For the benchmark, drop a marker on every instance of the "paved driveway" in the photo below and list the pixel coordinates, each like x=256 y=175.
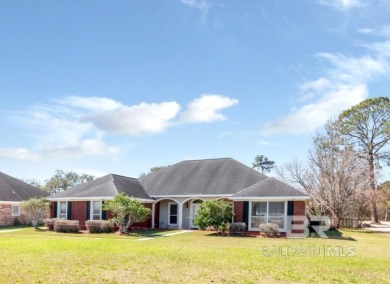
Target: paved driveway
x=384 y=227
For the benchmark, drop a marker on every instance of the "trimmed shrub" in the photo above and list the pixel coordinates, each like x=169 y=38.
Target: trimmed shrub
x=99 y=226
x=66 y=226
x=270 y=230
x=224 y=228
x=49 y=223
x=237 y=227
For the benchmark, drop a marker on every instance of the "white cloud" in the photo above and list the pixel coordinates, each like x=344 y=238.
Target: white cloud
x=206 y=108
x=78 y=126
x=19 y=154
x=343 y=4
x=91 y=103
x=344 y=85
x=201 y=5
x=86 y=147
x=137 y=119
x=381 y=32
x=198 y=4
x=355 y=69
x=311 y=116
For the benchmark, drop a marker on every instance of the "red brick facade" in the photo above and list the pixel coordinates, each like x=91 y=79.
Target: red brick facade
x=238 y=215
x=6 y=218
x=147 y=223
x=299 y=208
x=79 y=212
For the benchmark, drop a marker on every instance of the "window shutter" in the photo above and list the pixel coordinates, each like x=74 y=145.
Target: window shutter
x=104 y=212
x=246 y=212
x=88 y=216
x=69 y=213
x=54 y=204
x=290 y=208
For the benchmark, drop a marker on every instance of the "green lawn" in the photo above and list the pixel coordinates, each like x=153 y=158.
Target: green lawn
x=195 y=257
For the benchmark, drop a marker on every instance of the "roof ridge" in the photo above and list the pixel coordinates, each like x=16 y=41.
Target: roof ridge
x=208 y=159
x=122 y=176
x=253 y=185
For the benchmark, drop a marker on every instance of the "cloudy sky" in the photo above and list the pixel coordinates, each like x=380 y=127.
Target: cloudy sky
x=103 y=87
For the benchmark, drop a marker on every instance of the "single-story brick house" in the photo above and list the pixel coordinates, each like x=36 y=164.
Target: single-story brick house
x=12 y=193
x=175 y=193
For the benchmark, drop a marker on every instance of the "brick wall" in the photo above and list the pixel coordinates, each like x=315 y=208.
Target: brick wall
x=238 y=211
x=79 y=212
x=147 y=223
x=6 y=218
x=299 y=208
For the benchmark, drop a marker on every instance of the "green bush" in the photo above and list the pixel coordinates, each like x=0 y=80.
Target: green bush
x=99 y=226
x=66 y=226
x=238 y=227
x=214 y=213
x=49 y=223
x=270 y=230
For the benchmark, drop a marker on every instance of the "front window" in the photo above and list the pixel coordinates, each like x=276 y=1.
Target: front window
x=268 y=212
x=15 y=210
x=172 y=214
x=63 y=209
x=96 y=210
x=276 y=213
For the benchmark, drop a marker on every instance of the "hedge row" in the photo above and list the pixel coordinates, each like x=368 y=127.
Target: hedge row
x=72 y=226
x=99 y=226
x=62 y=226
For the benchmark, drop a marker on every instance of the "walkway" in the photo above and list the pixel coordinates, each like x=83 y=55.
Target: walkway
x=166 y=235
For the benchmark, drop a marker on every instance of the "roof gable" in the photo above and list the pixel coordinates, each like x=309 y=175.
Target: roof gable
x=106 y=186
x=270 y=187
x=224 y=176
x=12 y=189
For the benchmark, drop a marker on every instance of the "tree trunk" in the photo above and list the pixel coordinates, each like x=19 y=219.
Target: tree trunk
x=374 y=213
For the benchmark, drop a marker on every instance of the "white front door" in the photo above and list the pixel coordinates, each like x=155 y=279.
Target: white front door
x=194 y=209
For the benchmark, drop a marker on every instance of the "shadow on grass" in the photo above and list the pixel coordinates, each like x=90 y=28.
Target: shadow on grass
x=214 y=234
x=148 y=233
x=333 y=234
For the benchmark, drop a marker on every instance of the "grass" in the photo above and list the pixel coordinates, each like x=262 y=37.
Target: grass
x=30 y=256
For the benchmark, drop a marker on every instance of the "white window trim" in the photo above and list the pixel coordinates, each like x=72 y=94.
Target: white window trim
x=169 y=214
x=59 y=210
x=250 y=214
x=91 y=209
x=12 y=210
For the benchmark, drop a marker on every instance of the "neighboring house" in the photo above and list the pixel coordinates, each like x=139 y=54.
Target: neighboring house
x=175 y=193
x=12 y=193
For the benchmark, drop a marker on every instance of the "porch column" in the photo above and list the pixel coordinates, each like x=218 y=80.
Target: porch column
x=180 y=216
x=153 y=211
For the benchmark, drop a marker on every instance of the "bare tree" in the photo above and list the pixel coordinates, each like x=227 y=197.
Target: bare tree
x=334 y=176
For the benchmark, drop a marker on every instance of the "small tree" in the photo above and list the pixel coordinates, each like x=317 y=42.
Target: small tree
x=263 y=164
x=127 y=211
x=35 y=208
x=214 y=213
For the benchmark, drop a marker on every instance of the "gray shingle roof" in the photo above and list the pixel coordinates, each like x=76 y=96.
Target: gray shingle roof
x=12 y=189
x=270 y=187
x=107 y=186
x=213 y=176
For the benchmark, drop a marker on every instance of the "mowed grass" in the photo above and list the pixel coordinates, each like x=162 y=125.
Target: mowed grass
x=28 y=256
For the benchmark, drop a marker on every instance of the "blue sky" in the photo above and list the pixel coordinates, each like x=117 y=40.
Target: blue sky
x=119 y=87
